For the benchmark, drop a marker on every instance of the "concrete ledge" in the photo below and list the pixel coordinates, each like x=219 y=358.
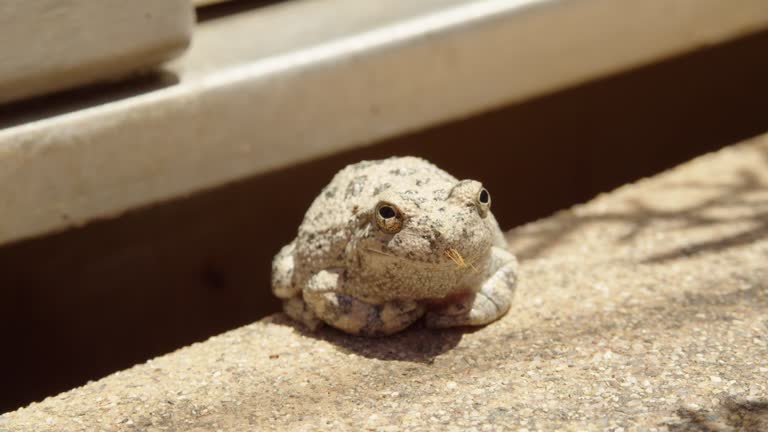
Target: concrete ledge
x=642 y=310
x=269 y=87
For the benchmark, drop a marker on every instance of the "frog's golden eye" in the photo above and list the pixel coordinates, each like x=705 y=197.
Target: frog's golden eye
x=388 y=218
x=483 y=201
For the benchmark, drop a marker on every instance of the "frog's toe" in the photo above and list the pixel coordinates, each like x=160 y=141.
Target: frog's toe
x=297 y=309
x=325 y=297
x=489 y=304
x=484 y=310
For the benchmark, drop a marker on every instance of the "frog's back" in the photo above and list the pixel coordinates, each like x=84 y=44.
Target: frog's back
x=333 y=218
x=356 y=188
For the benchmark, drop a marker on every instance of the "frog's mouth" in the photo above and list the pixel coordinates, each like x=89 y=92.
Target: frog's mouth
x=449 y=257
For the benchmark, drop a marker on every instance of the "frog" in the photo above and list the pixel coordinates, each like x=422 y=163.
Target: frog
x=391 y=241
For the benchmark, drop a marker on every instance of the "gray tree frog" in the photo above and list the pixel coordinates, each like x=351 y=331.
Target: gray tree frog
x=390 y=241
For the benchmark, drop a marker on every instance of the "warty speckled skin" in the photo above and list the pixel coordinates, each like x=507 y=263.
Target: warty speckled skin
x=390 y=241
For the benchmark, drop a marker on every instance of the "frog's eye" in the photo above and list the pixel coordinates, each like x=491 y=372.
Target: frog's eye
x=483 y=201
x=388 y=218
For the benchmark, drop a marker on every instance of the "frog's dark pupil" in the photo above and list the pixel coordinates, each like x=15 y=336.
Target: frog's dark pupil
x=386 y=212
x=484 y=196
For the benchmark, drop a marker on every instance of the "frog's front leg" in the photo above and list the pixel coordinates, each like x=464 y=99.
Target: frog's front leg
x=489 y=303
x=284 y=288
x=325 y=297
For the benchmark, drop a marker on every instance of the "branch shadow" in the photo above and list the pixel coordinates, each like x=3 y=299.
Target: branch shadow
x=731 y=415
x=643 y=216
x=416 y=344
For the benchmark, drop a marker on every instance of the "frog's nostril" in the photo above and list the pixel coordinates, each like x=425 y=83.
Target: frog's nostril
x=436 y=234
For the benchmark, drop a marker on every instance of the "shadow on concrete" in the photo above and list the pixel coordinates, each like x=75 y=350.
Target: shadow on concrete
x=670 y=314
x=642 y=215
x=731 y=416
x=415 y=344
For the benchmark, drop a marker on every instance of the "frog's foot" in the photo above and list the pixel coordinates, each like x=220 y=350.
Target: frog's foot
x=487 y=305
x=352 y=315
x=284 y=288
x=282 y=274
x=297 y=309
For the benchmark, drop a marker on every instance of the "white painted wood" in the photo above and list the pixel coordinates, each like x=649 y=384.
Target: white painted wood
x=273 y=86
x=49 y=45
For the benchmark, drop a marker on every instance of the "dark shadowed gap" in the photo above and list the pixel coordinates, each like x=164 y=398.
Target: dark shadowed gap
x=231 y=7
x=78 y=305
x=88 y=96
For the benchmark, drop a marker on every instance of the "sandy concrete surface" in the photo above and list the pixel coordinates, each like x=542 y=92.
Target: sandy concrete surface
x=645 y=309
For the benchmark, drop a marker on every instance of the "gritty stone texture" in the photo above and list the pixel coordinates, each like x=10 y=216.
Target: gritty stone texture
x=645 y=309
x=391 y=240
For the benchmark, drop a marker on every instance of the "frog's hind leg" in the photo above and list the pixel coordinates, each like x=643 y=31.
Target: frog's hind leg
x=487 y=305
x=325 y=298
x=284 y=288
